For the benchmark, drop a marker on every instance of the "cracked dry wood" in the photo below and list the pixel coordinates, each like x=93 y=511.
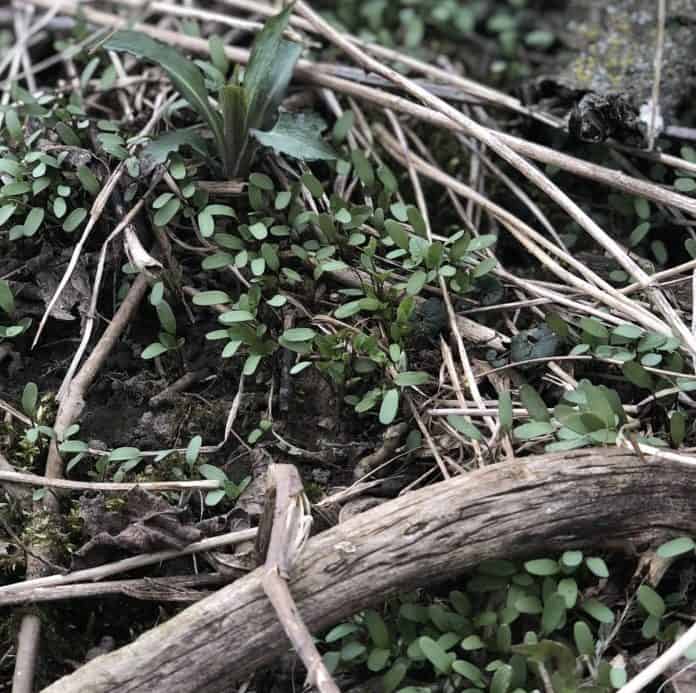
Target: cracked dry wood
x=525 y=507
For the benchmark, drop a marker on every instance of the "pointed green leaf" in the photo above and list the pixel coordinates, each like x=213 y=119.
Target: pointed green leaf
x=7 y=303
x=159 y=149
x=185 y=75
x=234 y=106
x=534 y=404
x=297 y=135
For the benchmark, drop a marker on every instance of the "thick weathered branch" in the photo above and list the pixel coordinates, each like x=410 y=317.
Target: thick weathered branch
x=521 y=508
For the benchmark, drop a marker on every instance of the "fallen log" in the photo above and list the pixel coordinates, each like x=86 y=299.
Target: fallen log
x=535 y=505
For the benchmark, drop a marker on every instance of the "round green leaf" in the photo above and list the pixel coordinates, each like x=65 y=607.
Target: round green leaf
x=282 y=199
x=469 y=671
x=464 y=426
x=153 y=350
x=636 y=374
x=261 y=180
x=351 y=650
x=30 y=397
x=394 y=676
x=568 y=589
x=435 y=654
x=378 y=659
x=214 y=497
x=7 y=303
x=501 y=679
x=397 y=233
x=617 y=677
x=598 y=611
x=411 y=378
x=233 y=316
x=542 y=566
x=528 y=604
x=390 y=407
x=651 y=601
x=554 y=611
x=571 y=559
x=676 y=547
x=583 y=638
x=193 y=449
x=533 y=430
x=123 y=454
x=505 y=410
x=206 y=223
x=473 y=642
x=299 y=334
x=594 y=328
x=628 y=331
x=598 y=567
x=534 y=404
x=210 y=298
x=209 y=471
x=415 y=283
x=377 y=629
x=166 y=213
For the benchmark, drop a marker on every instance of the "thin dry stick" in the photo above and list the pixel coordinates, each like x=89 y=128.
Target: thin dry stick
x=74 y=401
x=426 y=434
x=27 y=654
x=539 y=289
x=94 y=215
x=456 y=384
x=172 y=589
x=126 y=564
x=92 y=313
x=662 y=663
x=657 y=77
x=661 y=276
x=290 y=530
x=21 y=21
x=112 y=487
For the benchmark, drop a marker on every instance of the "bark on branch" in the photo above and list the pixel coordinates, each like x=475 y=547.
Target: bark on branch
x=522 y=508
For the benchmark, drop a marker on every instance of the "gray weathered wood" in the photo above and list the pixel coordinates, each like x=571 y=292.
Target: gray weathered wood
x=521 y=508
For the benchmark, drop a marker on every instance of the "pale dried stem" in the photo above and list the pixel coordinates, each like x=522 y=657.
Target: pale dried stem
x=127 y=564
x=168 y=589
x=92 y=313
x=657 y=76
x=289 y=532
x=74 y=400
x=11 y=477
x=27 y=654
